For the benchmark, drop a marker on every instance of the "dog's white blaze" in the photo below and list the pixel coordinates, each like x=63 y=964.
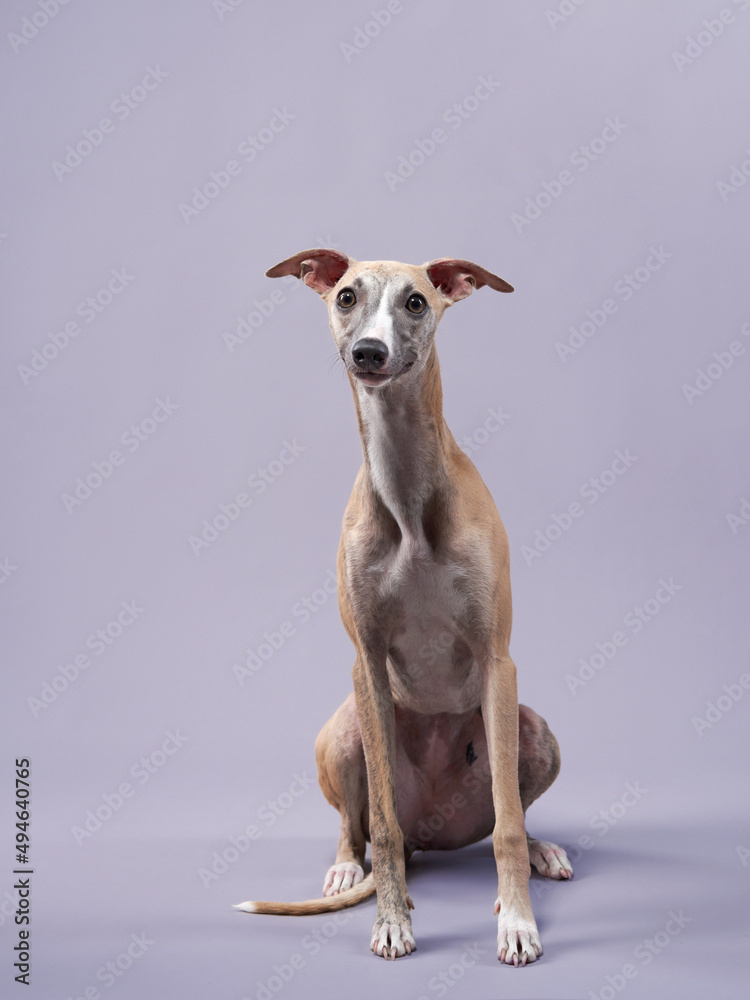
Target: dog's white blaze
x=382 y=325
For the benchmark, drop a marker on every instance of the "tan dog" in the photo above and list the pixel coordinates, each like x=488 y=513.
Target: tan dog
x=433 y=750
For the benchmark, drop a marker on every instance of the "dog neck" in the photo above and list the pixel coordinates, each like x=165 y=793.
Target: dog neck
x=405 y=441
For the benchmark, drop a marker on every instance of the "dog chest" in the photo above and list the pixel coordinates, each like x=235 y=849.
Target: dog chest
x=430 y=666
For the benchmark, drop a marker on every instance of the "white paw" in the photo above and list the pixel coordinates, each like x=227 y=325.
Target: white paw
x=341 y=877
x=517 y=938
x=549 y=859
x=392 y=939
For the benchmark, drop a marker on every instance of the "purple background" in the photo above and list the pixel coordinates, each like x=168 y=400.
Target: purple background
x=349 y=117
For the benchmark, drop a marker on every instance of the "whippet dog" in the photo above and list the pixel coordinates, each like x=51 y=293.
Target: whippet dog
x=432 y=749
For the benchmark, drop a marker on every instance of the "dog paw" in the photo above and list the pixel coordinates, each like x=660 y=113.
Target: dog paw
x=341 y=877
x=549 y=859
x=517 y=938
x=392 y=938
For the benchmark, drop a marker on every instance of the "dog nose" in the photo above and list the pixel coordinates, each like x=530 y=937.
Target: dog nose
x=370 y=354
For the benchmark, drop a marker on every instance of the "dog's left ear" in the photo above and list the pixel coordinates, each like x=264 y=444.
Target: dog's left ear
x=319 y=269
x=458 y=278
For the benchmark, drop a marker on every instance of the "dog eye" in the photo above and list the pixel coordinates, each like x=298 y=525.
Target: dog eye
x=346 y=298
x=415 y=304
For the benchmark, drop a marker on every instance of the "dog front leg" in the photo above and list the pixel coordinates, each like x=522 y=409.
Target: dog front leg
x=392 y=934
x=517 y=935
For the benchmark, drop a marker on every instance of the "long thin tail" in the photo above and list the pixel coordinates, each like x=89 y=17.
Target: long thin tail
x=350 y=897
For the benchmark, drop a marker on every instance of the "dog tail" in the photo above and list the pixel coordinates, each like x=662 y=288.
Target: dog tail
x=350 y=897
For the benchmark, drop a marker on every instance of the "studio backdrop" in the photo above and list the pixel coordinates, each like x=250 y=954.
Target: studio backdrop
x=179 y=443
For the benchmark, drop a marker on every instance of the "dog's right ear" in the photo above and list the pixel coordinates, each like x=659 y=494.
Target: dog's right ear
x=320 y=269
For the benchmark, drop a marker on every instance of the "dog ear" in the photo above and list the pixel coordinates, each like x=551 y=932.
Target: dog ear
x=320 y=269
x=458 y=278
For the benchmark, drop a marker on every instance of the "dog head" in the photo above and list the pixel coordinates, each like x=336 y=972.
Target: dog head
x=384 y=314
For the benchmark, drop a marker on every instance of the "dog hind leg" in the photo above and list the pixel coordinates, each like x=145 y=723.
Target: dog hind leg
x=343 y=778
x=538 y=766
